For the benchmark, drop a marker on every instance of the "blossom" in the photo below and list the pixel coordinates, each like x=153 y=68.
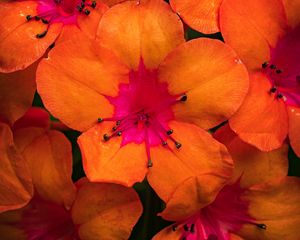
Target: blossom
x=60 y=209
x=202 y=16
x=29 y=28
x=16 y=184
x=254 y=204
x=270 y=49
x=140 y=95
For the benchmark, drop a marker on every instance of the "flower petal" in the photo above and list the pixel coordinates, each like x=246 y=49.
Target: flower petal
x=167 y=234
x=292 y=9
x=215 y=91
x=16 y=185
x=262 y=120
x=112 y=2
x=294 y=128
x=16 y=93
x=175 y=170
x=146 y=29
x=108 y=161
x=19 y=46
x=49 y=156
x=203 y=15
x=106 y=211
x=275 y=206
x=75 y=94
x=252 y=166
x=252 y=35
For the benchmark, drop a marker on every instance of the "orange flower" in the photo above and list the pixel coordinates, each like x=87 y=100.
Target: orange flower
x=59 y=209
x=202 y=16
x=29 y=28
x=255 y=204
x=269 y=46
x=152 y=94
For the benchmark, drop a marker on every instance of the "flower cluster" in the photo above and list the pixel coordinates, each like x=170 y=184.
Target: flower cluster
x=149 y=119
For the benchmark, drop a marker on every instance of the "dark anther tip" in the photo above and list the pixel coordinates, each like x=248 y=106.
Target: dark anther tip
x=278 y=71
x=178 y=145
x=28 y=17
x=169 y=132
x=82 y=5
x=174 y=228
x=94 y=4
x=264 y=65
x=150 y=163
x=52 y=45
x=280 y=95
x=183 y=98
x=262 y=226
x=164 y=143
x=114 y=128
x=118 y=123
x=119 y=133
x=105 y=137
x=100 y=120
x=272 y=66
x=41 y=35
x=273 y=89
x=79 y=8
x=45 y=21
x=192 y=229
x=87 y=12
x=37 y=18
x=185 y=227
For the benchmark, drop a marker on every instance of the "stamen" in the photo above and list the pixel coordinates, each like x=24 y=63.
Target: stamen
x=164 y=143
x=37 y=18
x=174 y=227
x=183 y=98
x=265 y=65
x=45 y=21
x=119 y=133
x=185 y=227
x=147 y=145
x=272 y=66
x=100 y=120
x=41 y=35
x=261 y=226
x=28 y=17
x=169 y=132
x=273 y=89
x=52 y=45
x=106 y=137
x=278 y=71
x=94 y=4
x=87 y=12
x=192 y=229
x=178 y=145
x=279 y=95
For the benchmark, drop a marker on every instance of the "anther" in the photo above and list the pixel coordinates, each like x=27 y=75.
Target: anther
x=169 y=132
x=118 y=123
x=87 y=12
x=192 y=229
x=185 y=227
x=272 y=66
x=279 y=95
x=114 y=128
x=28 y=17
x=164 y=143
x=105 y=137
x=100 y=120
x=79 y=8
x=178 y=145
x=265 y=64
x=45 y=21
x=150 y=164
x=41 y=35
x=119 y=133
x=278 y=71
x=183 y=98
x=273 y=89
x=174 y=228
x=37 y=18
x=94 y=4
x=52 y=45
x=262 y=226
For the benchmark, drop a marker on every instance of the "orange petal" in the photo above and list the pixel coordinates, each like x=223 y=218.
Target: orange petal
x=277 y=206
x=146 y=29
x=16 y=185
x=294 y=128
x=167 y=234
x=34 y=117
x=106 y=211
x=215 y=91
x=75 y=94
x=292 y=9
x=16 y=93
x=49 y=156
x=250 y=164
x=262 y=120
x=176 y=171
x=252 y=35
x=19 y=46
x=108 y=161
x=203 y=15
x=112 y=2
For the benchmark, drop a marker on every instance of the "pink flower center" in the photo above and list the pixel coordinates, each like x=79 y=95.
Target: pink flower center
x=60 y=11
x=226 y=214
x=48 y=221
x=143 y=109
x=283 y=70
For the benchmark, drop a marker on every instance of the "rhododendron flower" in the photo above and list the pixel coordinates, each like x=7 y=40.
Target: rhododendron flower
x=201 y=15
x=255 y=204
x=16 y=186
x=29 y=28
x=60 y=209
x=141 y=100
x=270 y=47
